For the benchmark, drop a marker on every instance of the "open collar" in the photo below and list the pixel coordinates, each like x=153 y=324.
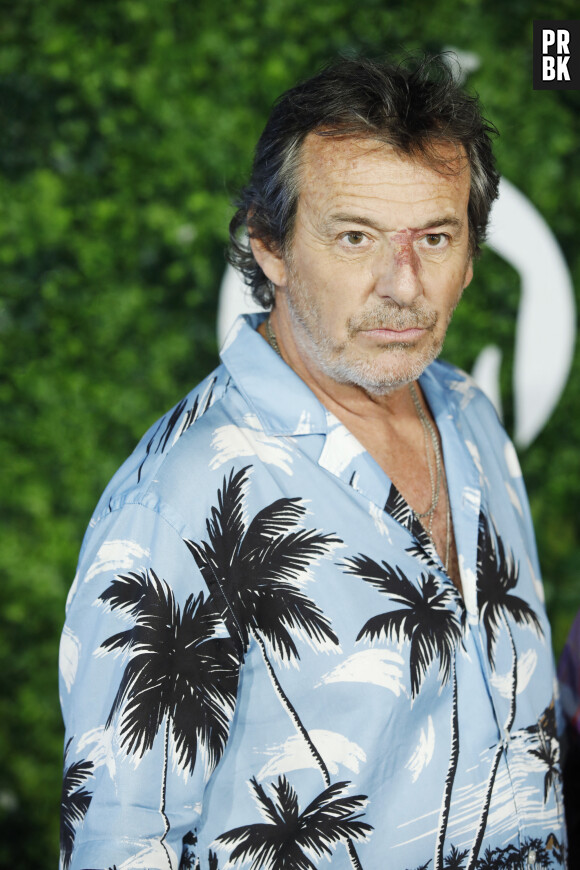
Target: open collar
x=285 y=406
x=280 y=399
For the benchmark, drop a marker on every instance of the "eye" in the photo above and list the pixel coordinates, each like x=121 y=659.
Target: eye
x=354 y=238
x=436 y=240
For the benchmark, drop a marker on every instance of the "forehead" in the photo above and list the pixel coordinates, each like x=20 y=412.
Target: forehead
x=338 y=173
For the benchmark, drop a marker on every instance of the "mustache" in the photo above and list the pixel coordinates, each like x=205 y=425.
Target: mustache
x=393 y=317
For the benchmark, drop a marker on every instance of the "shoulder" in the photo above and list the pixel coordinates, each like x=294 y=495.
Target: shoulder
x=460 y=391
x=455 y=396
x=177 y=444
x=478 y=421
x=161 y=495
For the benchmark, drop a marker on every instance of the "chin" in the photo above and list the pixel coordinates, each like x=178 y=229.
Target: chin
x=380 y=376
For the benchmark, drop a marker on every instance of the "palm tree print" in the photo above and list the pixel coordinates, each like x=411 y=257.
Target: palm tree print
x=537 y=854
x=548 y=752
x=256 y=565
x=75 y=802
x=168 y=423
x=455 y=859
x=188 y=858
x=489 y=861
x=178 y=672
x=544 y=734
x=558 y=849
x=433 y=631
x=531 y=853
x=189 y=861
x=400 y=509
x=289 y=838
x=497 y=576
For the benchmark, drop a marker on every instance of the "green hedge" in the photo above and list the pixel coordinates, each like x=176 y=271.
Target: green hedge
x=126 y=127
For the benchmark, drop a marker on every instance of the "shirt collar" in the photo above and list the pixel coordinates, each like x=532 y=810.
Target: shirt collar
x=280 y=399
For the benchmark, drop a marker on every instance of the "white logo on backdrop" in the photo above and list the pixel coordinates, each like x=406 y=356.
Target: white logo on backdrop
x=546 y=321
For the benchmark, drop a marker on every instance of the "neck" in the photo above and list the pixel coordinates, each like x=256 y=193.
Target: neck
x=346 y=400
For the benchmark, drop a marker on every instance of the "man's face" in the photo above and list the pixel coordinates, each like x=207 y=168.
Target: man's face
x=378 y=260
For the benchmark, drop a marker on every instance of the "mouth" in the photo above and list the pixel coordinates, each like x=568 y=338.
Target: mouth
x=395 y=336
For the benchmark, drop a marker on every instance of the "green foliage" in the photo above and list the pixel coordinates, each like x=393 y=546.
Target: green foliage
x=126 y=128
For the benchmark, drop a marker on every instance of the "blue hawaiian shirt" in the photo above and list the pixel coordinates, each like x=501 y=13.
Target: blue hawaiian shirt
x=266 y=665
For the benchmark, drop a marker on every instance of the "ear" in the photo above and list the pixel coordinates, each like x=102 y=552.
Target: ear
x=271 y=263
x=468 y=273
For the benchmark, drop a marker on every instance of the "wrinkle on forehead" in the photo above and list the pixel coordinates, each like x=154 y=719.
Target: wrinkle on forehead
x=440 y=155
x=336 y=171
x=336 y=155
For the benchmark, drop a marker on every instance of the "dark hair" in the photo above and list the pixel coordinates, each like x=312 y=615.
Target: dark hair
x=414 y=110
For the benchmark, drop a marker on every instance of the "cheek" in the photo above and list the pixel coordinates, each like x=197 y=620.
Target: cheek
x=451 y=304
x=446 y=286
x=330 y=313
x=332 y=292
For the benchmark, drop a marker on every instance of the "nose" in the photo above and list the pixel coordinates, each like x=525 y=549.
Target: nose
x=399 y=276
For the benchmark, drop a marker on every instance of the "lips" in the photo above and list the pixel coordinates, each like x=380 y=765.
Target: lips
x=395 y=322
x=394 y=329
x=402 y=335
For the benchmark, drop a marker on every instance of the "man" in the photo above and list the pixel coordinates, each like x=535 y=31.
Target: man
x=308 y=622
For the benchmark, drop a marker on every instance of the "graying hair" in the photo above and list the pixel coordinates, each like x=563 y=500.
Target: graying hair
x=413 y=108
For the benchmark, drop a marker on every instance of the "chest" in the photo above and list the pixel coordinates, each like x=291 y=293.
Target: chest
x=413 y=460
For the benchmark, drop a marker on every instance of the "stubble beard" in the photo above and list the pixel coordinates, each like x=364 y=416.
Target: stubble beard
x=397 y=363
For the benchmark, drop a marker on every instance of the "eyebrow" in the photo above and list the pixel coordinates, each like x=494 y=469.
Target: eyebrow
x=346 y=217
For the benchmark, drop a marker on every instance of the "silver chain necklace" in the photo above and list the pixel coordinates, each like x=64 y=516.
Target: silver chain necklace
x=429 y=434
